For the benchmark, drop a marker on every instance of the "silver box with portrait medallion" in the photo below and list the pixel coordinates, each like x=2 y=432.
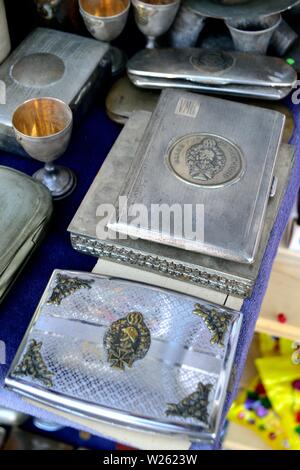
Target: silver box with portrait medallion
x=227 y=278
x=215 y=154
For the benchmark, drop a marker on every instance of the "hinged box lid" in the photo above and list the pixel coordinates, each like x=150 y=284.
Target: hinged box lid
x=127 y=353
x=203 y=151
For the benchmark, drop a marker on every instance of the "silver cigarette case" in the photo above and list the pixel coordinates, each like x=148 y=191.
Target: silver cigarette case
x=222 y=276
x=129 y=354
x=203 y=151
x=55 y=64
x=212 y=71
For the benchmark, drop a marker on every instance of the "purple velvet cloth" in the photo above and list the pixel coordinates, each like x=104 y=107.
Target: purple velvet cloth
x=251 y=306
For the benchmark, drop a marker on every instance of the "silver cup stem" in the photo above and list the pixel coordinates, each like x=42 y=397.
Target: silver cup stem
x=50 y=167
x=151 y=42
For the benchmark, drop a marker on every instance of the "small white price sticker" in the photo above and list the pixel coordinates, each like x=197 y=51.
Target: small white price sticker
x=186 y=107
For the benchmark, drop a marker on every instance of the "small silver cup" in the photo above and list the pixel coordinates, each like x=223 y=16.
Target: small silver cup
x=43 y=127
x=154 y=17
x=186 y=28
x=253 y=36
x=105 y=21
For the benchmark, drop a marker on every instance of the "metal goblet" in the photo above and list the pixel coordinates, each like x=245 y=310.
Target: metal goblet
x=154 y=17
x=43 y=127
x=105 y=21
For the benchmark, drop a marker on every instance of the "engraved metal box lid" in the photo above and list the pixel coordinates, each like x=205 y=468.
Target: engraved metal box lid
x=50 y=63
x=127 y=353
x=224 y=276
x=202 y=150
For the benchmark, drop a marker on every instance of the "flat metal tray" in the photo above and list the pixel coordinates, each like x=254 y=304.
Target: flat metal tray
x=127 y=353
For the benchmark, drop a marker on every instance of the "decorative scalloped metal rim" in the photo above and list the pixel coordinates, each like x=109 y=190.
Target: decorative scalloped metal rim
x=168 y=268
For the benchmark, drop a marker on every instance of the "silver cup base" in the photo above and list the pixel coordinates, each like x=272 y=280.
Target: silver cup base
x=60 y=181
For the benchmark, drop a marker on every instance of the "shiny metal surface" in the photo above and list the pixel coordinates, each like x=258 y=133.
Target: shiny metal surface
x=227 y=277
x=25 y=210
x=283 y=38
x=253 y=36
x=212 y=67
x=228 y=160
x=245 y=91
x=257 y=133
x=186 y=28
x=105 y=20
x=124 y=98
x=154 y=17
x=43 y=127
x=249 y=9
x=189 y=345
x=50 y=63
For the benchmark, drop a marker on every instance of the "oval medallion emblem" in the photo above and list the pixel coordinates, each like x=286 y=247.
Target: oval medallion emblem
x=206 y=160
x=212 y=61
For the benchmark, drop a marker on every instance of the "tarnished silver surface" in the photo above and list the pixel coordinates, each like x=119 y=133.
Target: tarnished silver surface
x=104 y=28
x=245 y=9
x=43 y=127
x=253 y=36
x=220 y=275
x=124 y=98
x=206 y=160
x=212 y=67
x=63 y=360
x=54 y=64
x=186 y=28
x=231 y=231
x=245 y=91
x=283 y=38
x=25 y=210
x=155 y=19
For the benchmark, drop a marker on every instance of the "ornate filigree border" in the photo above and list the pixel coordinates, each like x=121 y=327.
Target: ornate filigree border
x=168 y=268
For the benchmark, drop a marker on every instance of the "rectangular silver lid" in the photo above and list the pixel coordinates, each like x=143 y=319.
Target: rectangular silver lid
x=130 y=354
x=202 y=150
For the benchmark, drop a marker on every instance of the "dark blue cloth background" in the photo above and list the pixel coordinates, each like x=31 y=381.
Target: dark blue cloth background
x=90 y=144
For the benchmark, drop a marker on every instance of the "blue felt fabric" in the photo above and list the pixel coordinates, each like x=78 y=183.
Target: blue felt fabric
x=90 y=145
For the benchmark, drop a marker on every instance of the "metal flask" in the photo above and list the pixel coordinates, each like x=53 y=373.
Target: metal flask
x=212 y=71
